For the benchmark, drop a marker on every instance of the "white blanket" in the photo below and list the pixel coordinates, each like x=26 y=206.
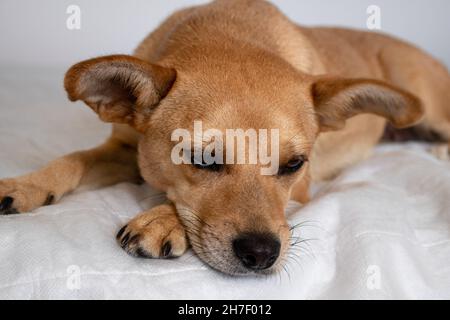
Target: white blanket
x=381 y=230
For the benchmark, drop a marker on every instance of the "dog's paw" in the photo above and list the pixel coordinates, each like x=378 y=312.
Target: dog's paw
x=154 y=234
x=17 y=196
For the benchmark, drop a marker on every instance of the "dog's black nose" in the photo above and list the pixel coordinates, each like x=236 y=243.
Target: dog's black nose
x=257 y=251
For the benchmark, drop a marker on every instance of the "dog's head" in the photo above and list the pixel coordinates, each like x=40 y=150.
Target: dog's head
x=233 y=214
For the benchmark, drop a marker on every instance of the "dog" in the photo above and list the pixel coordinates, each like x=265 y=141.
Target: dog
x=332 y=93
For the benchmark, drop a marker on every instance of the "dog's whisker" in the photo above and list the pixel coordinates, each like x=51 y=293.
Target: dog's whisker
x=307 y=251
x=302 y=250
x=307 y=223
x=303 y=241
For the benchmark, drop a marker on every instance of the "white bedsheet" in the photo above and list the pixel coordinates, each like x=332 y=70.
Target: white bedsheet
x=383 y=227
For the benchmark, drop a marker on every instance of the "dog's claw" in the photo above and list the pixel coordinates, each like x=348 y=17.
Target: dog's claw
x=141 y=253
x=166 y=249
x=124 y=240
x=120 y=233
x=6 y=206
x=6 y=203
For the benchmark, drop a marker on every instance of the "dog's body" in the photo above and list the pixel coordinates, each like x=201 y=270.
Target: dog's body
x=237 y=64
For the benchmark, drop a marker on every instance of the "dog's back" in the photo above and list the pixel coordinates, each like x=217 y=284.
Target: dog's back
x=359 y=54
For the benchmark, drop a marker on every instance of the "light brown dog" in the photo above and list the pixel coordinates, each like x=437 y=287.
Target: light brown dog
x=238 y=64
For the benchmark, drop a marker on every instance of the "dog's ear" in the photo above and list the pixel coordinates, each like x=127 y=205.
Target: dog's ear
x=336 y=100
x=120 y=88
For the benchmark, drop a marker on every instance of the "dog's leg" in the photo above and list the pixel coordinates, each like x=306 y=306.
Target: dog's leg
x=110 y=163
x=157 y=233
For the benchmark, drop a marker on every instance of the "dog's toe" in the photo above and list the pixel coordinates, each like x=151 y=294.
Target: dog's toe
x=158 y=237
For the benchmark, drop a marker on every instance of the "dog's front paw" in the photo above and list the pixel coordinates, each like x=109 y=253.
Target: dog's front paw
x=154 y=234
x=18 y=196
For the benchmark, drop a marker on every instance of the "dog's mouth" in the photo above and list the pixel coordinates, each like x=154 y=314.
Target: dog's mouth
x=249 y=253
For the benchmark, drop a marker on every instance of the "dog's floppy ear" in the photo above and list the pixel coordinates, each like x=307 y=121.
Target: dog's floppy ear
x=337 y=100
x=120 y=88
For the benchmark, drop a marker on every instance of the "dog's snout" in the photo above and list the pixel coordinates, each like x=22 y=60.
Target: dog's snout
x=257 y=251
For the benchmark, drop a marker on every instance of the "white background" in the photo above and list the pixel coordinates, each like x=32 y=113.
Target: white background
x=34 y=32
x=406 y=235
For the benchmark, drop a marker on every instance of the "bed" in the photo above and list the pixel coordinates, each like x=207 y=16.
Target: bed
x=381 y=230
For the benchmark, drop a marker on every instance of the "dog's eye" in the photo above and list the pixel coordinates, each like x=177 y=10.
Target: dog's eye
x=200 y=164
x=292 y=166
